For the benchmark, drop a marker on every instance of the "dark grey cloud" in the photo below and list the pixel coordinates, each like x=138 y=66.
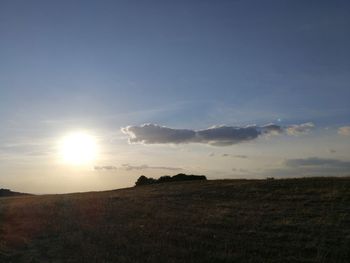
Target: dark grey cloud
x=225 y=135
x=154 y=134
x=217 y=135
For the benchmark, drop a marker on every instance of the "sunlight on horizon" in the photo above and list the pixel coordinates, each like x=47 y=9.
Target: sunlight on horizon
x=78 y=148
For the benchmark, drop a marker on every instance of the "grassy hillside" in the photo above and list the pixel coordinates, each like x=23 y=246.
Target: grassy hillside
x=299 y=220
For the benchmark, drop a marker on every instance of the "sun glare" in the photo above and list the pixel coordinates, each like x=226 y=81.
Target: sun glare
x=78 y=148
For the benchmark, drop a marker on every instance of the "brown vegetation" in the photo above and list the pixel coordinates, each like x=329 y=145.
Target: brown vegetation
x=295 y=220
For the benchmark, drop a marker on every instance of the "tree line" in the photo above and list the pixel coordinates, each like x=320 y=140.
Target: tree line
x=143 y=180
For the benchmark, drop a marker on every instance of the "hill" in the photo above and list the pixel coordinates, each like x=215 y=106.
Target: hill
x=294 y=220
x=8 y=192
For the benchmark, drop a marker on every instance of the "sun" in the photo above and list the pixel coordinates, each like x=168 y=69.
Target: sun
x=78 y=148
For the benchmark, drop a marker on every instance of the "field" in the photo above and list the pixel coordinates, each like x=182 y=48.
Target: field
x=292 y=220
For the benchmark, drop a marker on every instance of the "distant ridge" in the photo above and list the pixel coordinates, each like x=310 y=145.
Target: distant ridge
x=8 y=192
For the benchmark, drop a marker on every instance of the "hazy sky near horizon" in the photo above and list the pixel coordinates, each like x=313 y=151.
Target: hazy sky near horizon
x=109 y=67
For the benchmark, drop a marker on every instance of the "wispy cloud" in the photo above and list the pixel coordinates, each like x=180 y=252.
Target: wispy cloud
x=129 y=167
x=318 y=162
x=300 y=129
x=105 y=168
x=241 y=156
x=216 y=135
x=312 y=166
x=34 y=149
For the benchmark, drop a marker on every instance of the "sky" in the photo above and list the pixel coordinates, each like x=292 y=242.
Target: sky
x=229 y=89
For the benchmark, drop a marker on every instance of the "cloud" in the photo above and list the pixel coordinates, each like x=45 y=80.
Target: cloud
x=271 y=129
x=241 y=156
x=153 y=134
x=345 y=131
x=129 y=167
x=216 y=135
x=234 y=155
x=105 y=168
x=226 y=135
x=300 y=129
x=317 y=162
x=312 y=166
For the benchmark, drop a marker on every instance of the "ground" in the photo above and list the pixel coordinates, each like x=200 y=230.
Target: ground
x=294 y=220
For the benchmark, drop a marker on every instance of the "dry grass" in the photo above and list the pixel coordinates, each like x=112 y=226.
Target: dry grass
x=298 y=220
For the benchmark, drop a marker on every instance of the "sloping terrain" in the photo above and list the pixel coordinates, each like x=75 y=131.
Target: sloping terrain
x=8 y=192
x=295 y=220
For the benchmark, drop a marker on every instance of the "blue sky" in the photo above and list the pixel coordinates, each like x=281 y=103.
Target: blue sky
x=104 y=65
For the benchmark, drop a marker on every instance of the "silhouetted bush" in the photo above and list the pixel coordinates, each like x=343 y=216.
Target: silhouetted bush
x=164 y=179
x=185 y=177
x=143 y=180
